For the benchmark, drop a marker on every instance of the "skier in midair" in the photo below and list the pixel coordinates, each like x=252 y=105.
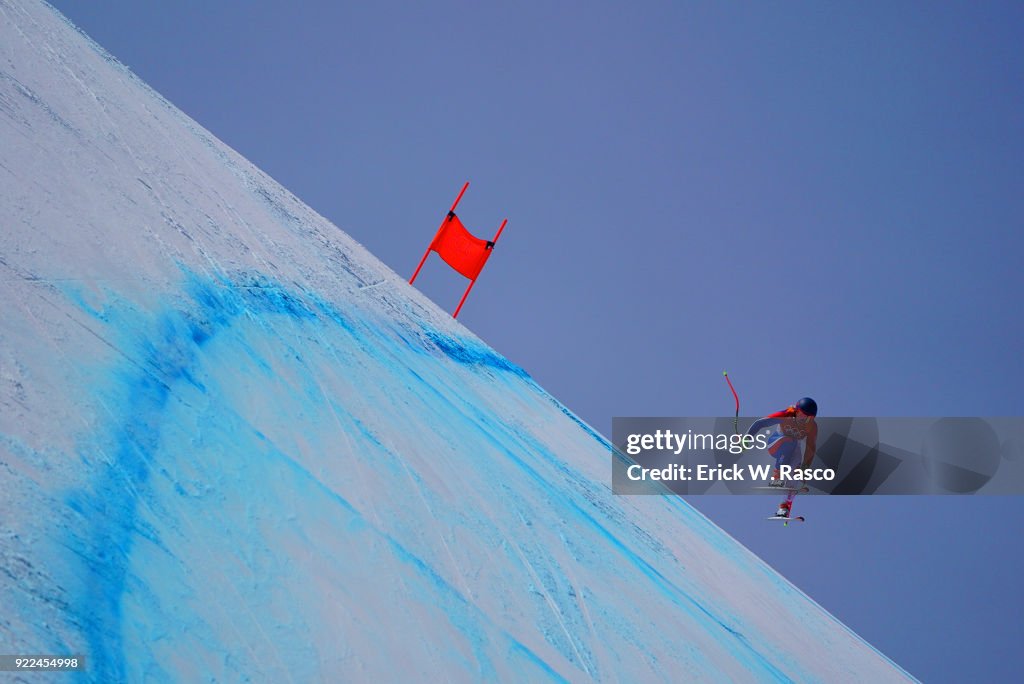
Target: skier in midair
x=792 y=425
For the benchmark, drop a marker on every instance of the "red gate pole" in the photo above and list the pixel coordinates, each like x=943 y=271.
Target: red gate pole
x=447 y=218
x=461 y=301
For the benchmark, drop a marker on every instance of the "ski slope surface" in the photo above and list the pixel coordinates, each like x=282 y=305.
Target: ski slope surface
x=234 y=446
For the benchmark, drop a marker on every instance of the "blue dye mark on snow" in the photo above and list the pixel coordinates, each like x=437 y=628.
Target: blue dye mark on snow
x=599 y=438
x=532 y=658
x=165 y=349
x=469 y=353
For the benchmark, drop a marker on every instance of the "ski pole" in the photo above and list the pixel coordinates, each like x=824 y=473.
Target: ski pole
x=736 y=420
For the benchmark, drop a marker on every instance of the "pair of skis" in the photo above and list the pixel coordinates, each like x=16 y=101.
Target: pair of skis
x=786 y=519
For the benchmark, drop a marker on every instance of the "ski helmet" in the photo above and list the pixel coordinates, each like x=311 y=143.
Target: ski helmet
x=808 y=406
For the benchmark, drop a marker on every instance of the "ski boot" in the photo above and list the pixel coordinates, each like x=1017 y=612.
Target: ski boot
x=784 y=508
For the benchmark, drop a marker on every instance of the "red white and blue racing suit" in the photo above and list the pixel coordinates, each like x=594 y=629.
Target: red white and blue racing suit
x=784 y=443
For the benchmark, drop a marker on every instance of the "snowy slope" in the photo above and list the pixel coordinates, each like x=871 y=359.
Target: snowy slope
x=234 y=445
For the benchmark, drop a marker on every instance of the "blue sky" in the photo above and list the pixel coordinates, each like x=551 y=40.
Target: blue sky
x=822 y=198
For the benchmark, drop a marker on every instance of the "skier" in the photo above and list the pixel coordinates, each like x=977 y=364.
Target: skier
x=792 y=425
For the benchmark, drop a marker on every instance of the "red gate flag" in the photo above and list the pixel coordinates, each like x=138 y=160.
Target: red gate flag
x=458 y=248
